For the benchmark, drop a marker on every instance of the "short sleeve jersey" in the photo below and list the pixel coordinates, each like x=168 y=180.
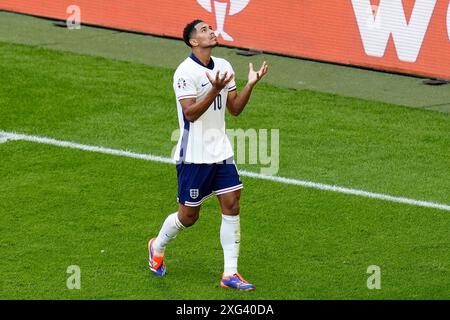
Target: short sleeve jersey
x=204 y=140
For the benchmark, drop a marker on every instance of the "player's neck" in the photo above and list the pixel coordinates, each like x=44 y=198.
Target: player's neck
x=203 y=54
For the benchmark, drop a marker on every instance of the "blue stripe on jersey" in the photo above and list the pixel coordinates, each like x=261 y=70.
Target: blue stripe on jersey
x=210 y=65
x=184 y=139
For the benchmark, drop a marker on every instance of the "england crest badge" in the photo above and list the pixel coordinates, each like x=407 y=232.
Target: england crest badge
x=194 y=193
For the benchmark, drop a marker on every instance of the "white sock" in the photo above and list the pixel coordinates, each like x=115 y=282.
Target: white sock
x=230 y=238
x=168 y=232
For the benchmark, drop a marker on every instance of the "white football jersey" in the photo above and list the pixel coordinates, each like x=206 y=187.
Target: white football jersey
x=204 y=140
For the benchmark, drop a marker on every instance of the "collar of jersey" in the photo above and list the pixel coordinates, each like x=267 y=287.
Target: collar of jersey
x=210 y=65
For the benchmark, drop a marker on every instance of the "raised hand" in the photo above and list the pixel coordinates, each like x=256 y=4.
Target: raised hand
x=253 y=76
x=220 y=82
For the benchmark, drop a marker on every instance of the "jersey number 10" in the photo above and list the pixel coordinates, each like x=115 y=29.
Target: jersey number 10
x=218 y=103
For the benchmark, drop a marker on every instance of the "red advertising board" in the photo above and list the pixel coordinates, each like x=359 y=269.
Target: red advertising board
x=407 y=36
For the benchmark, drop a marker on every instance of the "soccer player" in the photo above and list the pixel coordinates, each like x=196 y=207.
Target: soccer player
x=203 y=86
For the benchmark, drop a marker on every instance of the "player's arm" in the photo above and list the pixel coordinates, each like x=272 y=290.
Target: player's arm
x=194 y=109
x=237 y=102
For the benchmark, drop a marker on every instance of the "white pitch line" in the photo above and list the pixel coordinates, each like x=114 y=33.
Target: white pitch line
x=84 y=147
x=4 y=135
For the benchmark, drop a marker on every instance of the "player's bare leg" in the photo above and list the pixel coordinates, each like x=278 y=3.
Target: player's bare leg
x=188 y=216
x=230 y=238
x=229 y=203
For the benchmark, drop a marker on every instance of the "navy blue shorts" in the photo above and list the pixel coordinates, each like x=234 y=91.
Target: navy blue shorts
x=197 y=182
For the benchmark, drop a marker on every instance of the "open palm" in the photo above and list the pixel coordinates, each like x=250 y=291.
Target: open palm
x=255 y=76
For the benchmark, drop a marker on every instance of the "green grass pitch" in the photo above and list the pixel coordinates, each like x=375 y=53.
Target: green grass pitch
x=61 y=207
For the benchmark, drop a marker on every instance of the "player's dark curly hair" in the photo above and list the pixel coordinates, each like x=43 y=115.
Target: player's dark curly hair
x=189 y=31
